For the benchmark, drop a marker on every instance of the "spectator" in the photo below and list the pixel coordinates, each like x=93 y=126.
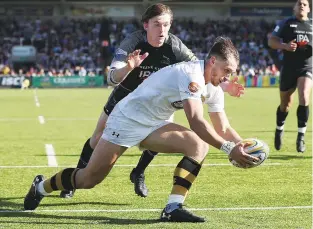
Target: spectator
x=72 y=46
x=82 y=71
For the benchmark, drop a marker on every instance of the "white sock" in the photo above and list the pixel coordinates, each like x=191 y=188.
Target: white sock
x=41 y=189
x=280 y=127
x=302 y=130
x=174 y=198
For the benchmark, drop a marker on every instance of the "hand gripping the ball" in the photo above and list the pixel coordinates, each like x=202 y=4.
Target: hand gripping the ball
x=243 y=159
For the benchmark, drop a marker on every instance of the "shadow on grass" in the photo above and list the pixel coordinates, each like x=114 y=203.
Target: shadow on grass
x=270 y=131
x=33 y=218
x=6 y=204
x=290 y=157
x=124 y=155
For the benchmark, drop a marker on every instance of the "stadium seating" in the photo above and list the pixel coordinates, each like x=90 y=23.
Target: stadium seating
x=68 y=45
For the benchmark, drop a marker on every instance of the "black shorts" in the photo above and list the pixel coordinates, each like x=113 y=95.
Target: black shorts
x=289 y=77
x=117 y=95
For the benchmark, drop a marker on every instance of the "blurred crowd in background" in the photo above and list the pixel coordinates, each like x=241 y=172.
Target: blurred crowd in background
x=72 y=46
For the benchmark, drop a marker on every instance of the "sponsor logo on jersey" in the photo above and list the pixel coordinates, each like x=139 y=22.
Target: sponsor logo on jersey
x=293 y=25
x=193 y=87
x=177 y=104
x=147 y=71
x=308 y=74
x=302 y=39
x=165 y=60
x=144 y=74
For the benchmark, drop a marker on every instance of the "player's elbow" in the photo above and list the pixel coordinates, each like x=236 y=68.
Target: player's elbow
x=195 y=124
x=272 y=41
x=221 y=130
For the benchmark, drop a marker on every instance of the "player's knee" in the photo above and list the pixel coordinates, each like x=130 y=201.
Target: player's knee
x=99 y=130
x=285 y=107
x=304 y=98
x=95 y=138
x=93 y=141
x=203 y=150
x=196 y=148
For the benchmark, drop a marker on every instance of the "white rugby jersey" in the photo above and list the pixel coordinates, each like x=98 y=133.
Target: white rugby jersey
x=214 y=98
x=160 y=95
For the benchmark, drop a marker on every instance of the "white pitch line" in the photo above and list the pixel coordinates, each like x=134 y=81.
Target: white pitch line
x=220 y=164
x=157 y=210
x=16 y=119
x=41 y=119
x=48 y=119
x=52 y=161
x=36 y=98
x=132 y=165
x=71 y=119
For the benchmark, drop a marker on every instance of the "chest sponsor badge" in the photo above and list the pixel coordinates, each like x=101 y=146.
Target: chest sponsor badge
x=193 y=87
x=178 y=104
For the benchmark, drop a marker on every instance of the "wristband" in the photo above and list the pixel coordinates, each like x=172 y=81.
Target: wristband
x=227 y=147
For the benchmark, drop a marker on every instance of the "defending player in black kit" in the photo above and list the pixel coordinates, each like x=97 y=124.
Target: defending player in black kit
x=294 y=36
x=140 y=54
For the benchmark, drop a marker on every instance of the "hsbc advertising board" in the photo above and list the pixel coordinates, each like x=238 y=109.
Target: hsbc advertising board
x=12 y=81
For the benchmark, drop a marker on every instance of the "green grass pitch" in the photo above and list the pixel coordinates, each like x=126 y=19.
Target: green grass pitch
x=277 y=194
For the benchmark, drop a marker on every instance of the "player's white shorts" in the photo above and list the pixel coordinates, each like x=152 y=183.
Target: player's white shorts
x=126 y=132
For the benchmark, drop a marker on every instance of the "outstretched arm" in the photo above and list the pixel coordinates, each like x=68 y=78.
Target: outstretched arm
x=223 y=128
x=194 y=113
x=120 y=69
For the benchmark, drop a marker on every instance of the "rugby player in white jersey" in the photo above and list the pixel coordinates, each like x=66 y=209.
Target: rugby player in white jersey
x=158 y=48
x=141 y=119
x=214 y=98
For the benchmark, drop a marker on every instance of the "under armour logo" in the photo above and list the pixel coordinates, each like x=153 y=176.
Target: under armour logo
x=167 y=216
x=115 y=134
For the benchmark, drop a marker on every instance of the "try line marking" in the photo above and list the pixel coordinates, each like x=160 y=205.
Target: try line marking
x=41 y=119
x=158 y=210
x=36 y=98
x=48 y=119
x=52 y=161
x=130 y=165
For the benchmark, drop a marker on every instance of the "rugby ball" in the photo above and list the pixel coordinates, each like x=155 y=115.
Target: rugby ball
x=256 y=148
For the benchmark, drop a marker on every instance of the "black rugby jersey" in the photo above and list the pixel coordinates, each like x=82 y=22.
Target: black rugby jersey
x=171 y=52
x=290 y=29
